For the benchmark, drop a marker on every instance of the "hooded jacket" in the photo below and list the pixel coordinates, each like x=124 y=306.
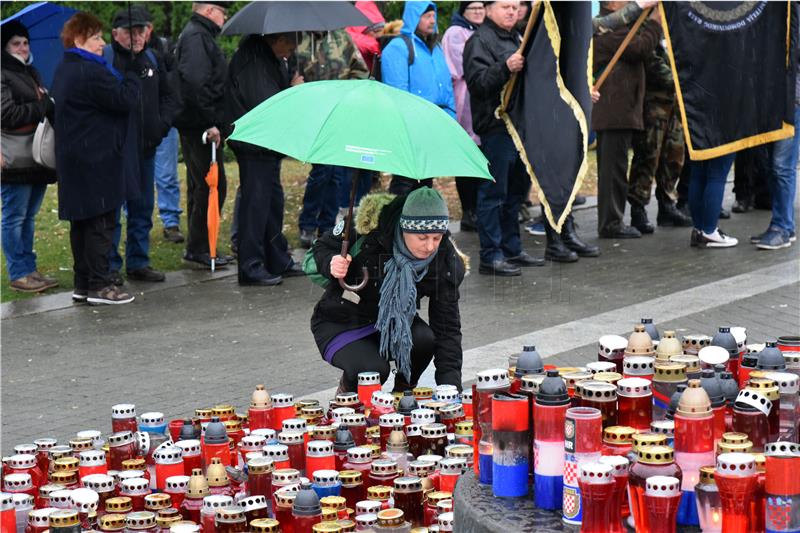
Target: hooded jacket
x=486 y=72
x=334 y=314
x=23 y=106
x=369 y=47
x=453 y=43
x=428 y=76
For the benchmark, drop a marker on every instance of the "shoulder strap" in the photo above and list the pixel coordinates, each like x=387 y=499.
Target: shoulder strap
x=410 y=45
x=108 y=54
x=152 y=57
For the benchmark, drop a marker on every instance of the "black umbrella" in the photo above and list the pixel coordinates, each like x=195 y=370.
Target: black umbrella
x=278 y=17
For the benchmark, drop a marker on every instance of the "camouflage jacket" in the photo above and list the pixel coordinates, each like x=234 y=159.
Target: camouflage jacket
x=616 y=19
x=335 y=58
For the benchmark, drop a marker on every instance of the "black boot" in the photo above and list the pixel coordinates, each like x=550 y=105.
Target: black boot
x=639 y=219
x=670 y=215
x=469 y=221
x=571 y=240
x=556 y=249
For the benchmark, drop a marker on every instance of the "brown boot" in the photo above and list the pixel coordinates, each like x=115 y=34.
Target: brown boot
x=28 y=284
x=47 y=280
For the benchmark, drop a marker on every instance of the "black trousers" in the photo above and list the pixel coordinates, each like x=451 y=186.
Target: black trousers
x=90 y=240
x=400 y=185
x=263 y=249
x=751 y=175
x=612 y=177
x=363 y=356
x=197 y=157
x=468 y=193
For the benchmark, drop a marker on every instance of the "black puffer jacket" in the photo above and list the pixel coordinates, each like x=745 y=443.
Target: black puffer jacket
x=254 y=75
x=334 y=315
x=202 y=70
x=23 y=106
x=486 y=72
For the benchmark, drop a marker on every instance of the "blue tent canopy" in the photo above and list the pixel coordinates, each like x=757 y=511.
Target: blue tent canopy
x=44 y=21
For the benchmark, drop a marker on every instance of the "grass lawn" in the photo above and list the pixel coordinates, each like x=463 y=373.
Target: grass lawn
x=52 y=235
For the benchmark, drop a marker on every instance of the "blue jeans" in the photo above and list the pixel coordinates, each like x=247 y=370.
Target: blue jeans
x=499 y=202
x=783 y=178
x=706 y=189
x=139 y=213
x=166 y=178
x=20 y=204
x=321 y=201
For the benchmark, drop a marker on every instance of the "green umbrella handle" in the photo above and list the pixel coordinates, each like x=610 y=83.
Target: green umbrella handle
x=346 y=242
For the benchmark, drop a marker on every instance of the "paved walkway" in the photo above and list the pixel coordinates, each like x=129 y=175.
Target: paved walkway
x=197 y=341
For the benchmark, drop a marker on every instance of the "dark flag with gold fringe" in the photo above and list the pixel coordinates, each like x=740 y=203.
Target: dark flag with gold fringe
x=546 y=107
x=733 y=74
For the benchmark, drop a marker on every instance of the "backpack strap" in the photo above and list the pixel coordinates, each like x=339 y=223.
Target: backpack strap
x=410 y=45
x=108 y=54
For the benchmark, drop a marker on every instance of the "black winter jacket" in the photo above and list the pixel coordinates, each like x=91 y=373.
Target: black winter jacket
x=254 y=75
x=23 y=106
x=157 y=106
x=334 y=315
x=485 y=72
x=97 y=155
x=202 y=71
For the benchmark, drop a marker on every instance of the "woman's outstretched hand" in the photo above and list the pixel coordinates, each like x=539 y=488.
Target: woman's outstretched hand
x=339 y=266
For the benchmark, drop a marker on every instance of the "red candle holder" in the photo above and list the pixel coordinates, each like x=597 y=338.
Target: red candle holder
x=357 y=424
x=176 y=487
x=259 y=415
x=638 y=366
x=597 y=488
x=282 y=409
x=123 y=418
x=750 y=416
x=368 y=383
x=279 y=453
x=295 y=445
x=386 y=423
x=319 y=456
x=619 y=498
x=601 y=396
x=736 y=479
x=635 y=399
x=662 y=497
x=611 y=349
x=169 y=462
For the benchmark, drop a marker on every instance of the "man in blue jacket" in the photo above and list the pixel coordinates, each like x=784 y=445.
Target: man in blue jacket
x=414 y=62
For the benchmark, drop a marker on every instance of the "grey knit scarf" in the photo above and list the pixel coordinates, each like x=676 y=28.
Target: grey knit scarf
x=398 y=303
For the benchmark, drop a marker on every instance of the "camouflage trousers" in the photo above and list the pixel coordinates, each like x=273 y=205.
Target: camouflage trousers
x=658 y=152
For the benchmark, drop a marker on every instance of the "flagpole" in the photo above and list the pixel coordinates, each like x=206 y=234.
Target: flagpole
x=509 y=87
x=621 y=49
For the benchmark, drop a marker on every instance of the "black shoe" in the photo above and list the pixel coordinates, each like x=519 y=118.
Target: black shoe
x=724 y=213
x=525 y=260
x=579 y=199
x=173 y=234
x=204 y=259
x=109 y=296
x=556 y=250
x=669 y=215
x=115 y=278
x=146 y=274
x=741 y=206
x=499 y=268
x=266 y=281
x=469 y=221
x=640 y=221
x=293 y=271
x=621 y=232
x=683 y=208
x=306 y=238
x=569 y=236
x=694 y=238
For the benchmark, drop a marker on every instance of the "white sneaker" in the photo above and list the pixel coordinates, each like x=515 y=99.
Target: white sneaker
x=718 y=239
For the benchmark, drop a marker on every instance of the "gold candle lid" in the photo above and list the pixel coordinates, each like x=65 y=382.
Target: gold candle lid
x=347 y=525
x=761 y=462
x=438 y=496
x=233 y=425
x=165 y=521
x=327 y=525
x=692 y=362
x=656 y=455
x=329 y=514
x=373 y=432
x=562 y=370
x=134 y=464
x=81 y=444
x=767 y=387
x=608 y=377
x=707 y=475
x=730 y=447
x=375 y=448
x=619 y=435
x=670 y=372
x=223 y=410
x=112 y=522
x=668 y=346
x=419 y=530
x=203 y=413
x=423 y=393
x=63 y=518
x=157 y=501
x=379 y=492
x=64 y=477
x=732 y=437
x=119 y=504
x=260 y=465
x=198 y=485
x=348 y=477
x=648 y=438
x=324 y=433
x=265 y=525
x=464 y=427
x=333 y=502
x=66 y=464
x=232 y=513
x=216 y=474
x=390 y=517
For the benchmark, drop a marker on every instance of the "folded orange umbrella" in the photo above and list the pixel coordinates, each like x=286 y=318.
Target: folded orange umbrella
x=212 y=216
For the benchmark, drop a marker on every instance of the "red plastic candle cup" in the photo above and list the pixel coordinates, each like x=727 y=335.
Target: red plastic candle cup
x=357 y=424
x=279 y=453
x=259 y=476
x=694 y=433
x=295 y=444
x=282 y=409
x=662 y=497
x=602 y=396
x=611 y=348
x=43 y=446
x=782 y=488
x=260 y=412
x=283 y=478
x=283 y=509
x=103 y=485
x=619 y=500
x=174 y=428
x=736 y=480
x=387 y=422
x=121 y=447
x=584 y=433
x=190 y=453
x=319 y=456
x=176 y=487
x=368 y=383
x=92 y=462
x=382 y=404
x=169 y=463
x=26 y=463
x=635 y=403
x=750 y=416
x=8 y=519
x=466 y=403
x=123 y=418
x=450 y=469
x=597 y=488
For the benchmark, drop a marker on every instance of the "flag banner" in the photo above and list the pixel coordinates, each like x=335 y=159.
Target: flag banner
x=546 y=107
x=733 y=74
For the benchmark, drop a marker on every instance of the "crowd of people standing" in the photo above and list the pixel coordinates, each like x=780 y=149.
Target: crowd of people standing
x=121 y=110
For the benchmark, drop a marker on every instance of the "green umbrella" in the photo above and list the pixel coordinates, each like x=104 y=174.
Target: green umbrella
x=362 y=124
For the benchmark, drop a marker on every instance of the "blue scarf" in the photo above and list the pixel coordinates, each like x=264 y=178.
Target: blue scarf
x=398 y=303
x=97 y=59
